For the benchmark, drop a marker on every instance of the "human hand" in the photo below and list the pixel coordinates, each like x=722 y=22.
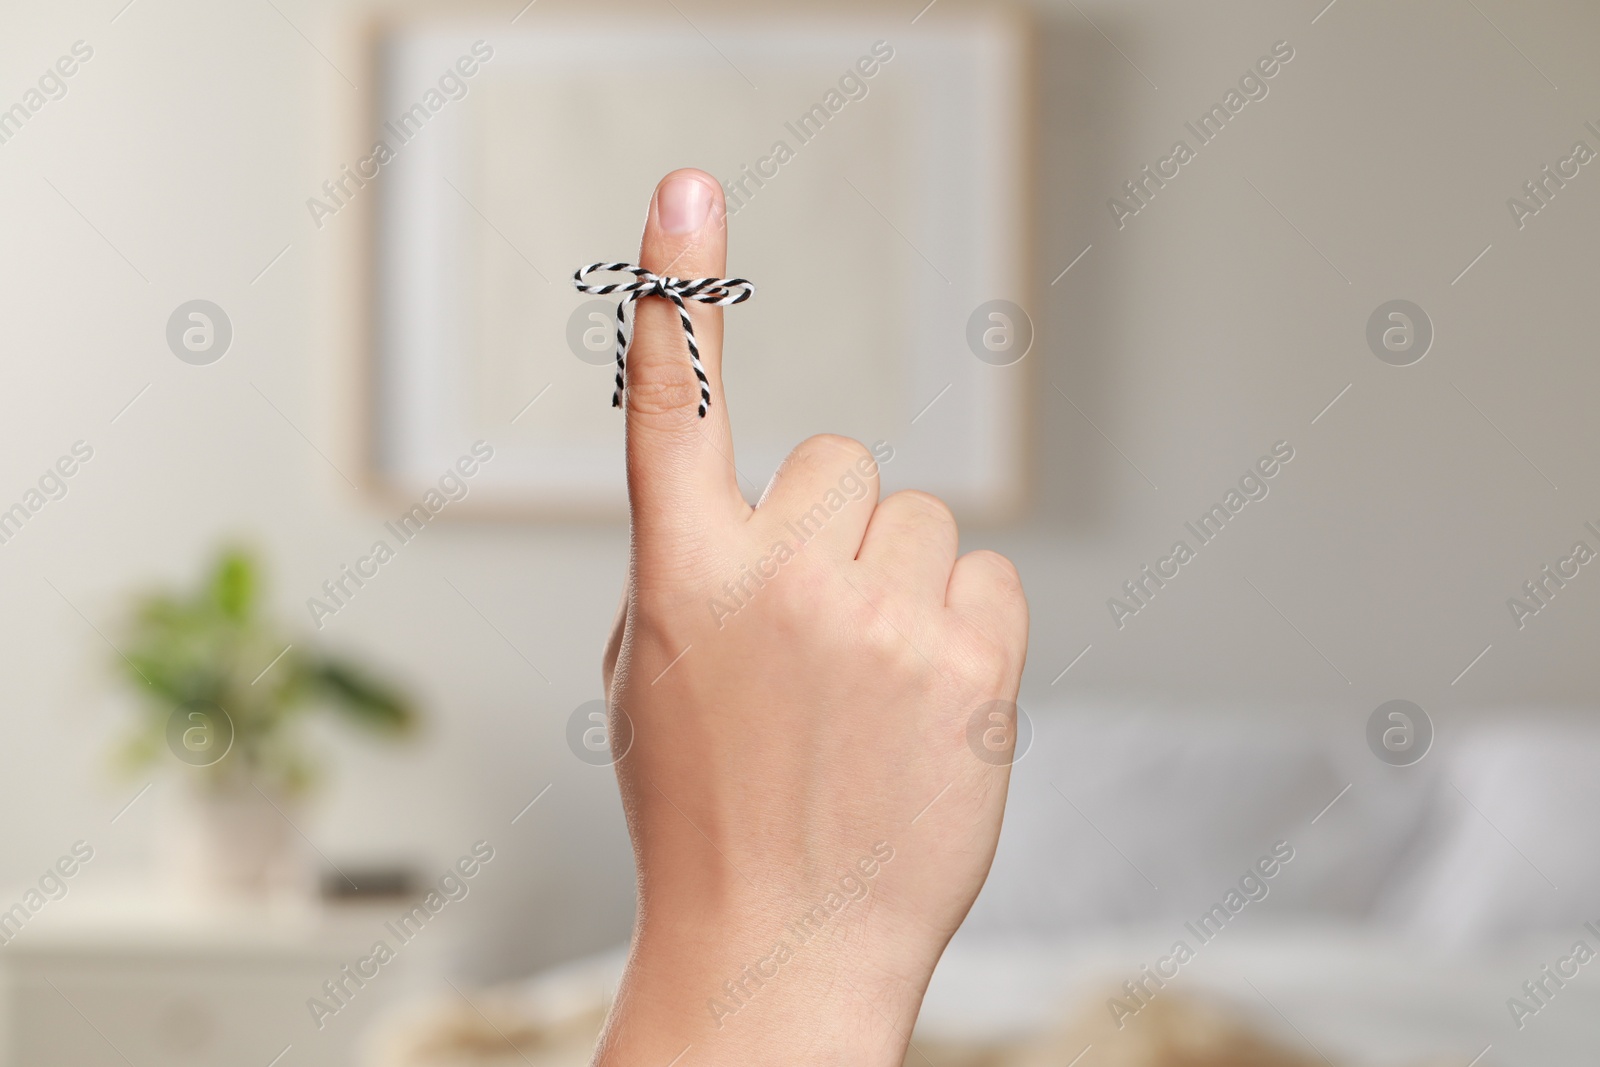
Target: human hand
x=809 y=822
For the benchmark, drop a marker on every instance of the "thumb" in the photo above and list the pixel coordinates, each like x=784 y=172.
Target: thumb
x=681 y=479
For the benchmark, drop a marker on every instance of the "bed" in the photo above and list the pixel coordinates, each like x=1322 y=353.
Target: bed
x=1421 y=906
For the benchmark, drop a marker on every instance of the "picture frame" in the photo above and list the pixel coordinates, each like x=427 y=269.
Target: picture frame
x=880 y=243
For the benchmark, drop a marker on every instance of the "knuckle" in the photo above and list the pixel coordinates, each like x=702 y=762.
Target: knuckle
x=879 y=627
x=659 y=388
x=888 y=647
x=865 y=614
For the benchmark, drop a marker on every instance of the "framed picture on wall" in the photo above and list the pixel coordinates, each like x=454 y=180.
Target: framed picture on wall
x=873 y=175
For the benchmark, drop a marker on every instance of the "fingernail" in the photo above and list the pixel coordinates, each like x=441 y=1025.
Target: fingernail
x=683 y=204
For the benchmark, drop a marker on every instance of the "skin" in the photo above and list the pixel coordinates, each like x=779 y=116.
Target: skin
x=799 y=740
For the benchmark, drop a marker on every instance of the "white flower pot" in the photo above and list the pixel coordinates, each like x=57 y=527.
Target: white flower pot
x=237 y=845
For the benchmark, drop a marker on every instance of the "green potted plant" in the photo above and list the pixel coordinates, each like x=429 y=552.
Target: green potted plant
x=225 y=694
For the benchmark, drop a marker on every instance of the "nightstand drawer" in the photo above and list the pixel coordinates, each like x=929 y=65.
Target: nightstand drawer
x=185 y=1013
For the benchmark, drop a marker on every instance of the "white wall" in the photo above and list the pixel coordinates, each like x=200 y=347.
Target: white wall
x=1204 y=331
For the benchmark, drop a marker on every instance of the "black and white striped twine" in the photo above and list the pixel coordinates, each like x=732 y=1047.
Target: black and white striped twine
x=716 y=291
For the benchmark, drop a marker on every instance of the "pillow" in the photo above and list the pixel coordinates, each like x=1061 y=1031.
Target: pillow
x=1123 y=816
x=1517 y=816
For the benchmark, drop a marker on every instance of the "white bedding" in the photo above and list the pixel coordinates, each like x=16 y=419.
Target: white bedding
x=1358 y=995
x=1376 y=945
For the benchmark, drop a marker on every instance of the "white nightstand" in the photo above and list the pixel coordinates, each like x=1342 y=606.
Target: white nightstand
x=140 y=981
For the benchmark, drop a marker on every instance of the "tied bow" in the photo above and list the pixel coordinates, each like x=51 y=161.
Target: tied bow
x=719 y=292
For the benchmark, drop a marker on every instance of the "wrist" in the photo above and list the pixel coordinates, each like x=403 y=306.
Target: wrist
x=757 y=987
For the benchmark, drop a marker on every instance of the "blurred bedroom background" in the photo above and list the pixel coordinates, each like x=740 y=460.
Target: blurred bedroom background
x=1338 y=345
